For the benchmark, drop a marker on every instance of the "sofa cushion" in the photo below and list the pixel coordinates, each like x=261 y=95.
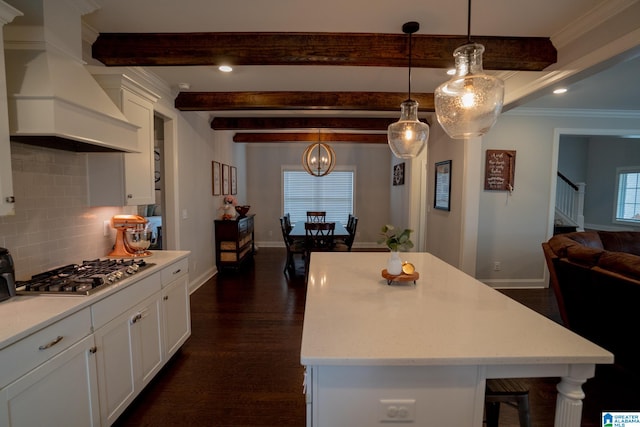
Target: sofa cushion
x=621 y=241
x=560 y=242
x=584 y=255
x=621 y=262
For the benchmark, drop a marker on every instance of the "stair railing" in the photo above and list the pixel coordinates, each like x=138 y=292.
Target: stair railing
x=570 y=200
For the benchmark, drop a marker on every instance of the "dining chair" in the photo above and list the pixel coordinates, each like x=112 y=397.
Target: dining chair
x=349 y=222
x=316 y=216
x=294 y=247
x=319 y=236
x=287 y=220
x=346 y=243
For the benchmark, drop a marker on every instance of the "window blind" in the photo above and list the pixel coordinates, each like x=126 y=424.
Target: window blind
x=628 y=203
x=332 y=193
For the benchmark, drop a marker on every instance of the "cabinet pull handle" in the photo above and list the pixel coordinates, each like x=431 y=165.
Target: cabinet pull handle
x=93 y=350
x=10 y=199
x=51 y=344
x=135 y=318
x=129 y=196
x=166 y=297
x=177 y=271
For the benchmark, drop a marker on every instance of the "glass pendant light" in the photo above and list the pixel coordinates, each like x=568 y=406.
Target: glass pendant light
x=408 y=136
x=469 y=104
x=319 y=159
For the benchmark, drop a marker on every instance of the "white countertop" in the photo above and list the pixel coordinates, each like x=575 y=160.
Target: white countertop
x=353 y=317
x=23 y=315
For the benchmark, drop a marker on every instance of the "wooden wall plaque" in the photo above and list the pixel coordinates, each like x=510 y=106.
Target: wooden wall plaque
x=499 y=170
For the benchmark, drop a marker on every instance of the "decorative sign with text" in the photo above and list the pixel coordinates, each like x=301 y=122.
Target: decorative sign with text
x=499 y=170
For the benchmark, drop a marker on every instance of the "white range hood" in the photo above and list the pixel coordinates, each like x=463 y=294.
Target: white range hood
x=53 y=100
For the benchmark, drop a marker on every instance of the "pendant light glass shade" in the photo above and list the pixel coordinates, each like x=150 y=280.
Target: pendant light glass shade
x=408 y=136
x=469 y=104
x=319 y=159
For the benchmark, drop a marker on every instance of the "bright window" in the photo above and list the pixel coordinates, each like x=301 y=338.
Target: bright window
x=628 y=195
x=332 y=193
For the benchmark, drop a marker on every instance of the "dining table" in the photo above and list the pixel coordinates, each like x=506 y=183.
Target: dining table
x=298 y=230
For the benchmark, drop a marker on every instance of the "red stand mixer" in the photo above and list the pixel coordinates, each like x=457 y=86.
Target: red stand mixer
x=132 y=237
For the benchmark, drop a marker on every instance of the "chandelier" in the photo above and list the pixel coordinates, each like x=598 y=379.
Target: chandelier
x=469 y=104
x=319 y=159
x=408 y=136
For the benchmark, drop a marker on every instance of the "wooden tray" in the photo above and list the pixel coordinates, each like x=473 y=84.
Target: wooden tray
x=400 y=277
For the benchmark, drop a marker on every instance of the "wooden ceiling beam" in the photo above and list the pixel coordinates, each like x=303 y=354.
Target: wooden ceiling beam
x=354 y=101
x=270 y=123
x=360 y=138
x=347 y=49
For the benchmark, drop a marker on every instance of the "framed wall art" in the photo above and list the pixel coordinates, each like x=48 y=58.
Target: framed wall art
x=215 y=178
x=442 y=193
x=499 y=170
x=234 y=180
x=398 y=174
x=225 y=179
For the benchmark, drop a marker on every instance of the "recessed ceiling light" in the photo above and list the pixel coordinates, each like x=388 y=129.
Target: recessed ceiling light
x=225 y=68
x=560 y=90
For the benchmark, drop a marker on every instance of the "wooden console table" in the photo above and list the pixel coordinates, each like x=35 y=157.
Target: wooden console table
x=234 y=241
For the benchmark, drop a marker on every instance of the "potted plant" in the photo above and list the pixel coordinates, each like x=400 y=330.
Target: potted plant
x=395 y=241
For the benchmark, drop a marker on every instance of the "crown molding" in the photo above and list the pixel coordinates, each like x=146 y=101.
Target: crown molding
x=574 y=112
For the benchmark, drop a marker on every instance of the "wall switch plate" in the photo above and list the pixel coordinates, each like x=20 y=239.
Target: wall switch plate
x=397 y=410
x=106 y=228
x=497 y=266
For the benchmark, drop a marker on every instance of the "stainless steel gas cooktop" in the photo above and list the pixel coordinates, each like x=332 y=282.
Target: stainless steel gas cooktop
x=81 y=279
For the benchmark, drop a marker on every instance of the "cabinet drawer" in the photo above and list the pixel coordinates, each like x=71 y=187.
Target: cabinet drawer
x=107 y=309
x=228 y=246
x=228 y=257
x=28 y=353
x=174 y=271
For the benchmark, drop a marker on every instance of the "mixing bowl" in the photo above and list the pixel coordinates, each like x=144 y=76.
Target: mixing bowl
x=138 y=240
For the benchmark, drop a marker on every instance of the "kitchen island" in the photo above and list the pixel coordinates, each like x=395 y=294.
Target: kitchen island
x=96 y=352
x=421 y=353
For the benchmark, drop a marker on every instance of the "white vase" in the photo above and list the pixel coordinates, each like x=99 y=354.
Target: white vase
x=394 y=264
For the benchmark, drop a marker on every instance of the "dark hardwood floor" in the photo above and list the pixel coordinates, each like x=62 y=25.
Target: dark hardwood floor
x=241 y=366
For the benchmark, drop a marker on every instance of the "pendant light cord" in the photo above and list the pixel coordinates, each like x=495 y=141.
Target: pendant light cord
x=469 y=22
x=409 y=96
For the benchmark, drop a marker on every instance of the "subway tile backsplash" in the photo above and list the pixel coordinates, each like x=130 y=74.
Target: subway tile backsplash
x=53 y=225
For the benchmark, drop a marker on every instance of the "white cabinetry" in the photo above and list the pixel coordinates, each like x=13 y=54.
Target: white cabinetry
x=62 y=390
x=86 y=368
x=7 y=205
x=125 y=179
x=130 y=349
x=175 y=305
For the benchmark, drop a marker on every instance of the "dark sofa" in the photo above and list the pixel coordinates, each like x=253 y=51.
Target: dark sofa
x=596 y=278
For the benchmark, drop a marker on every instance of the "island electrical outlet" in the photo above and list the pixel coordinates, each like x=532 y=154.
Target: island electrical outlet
x=397 y=410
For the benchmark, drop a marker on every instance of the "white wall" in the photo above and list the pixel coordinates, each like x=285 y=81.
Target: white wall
x=512 y=227
x=264 y=183
x=444 y=228
x=572 y=157
x=198 y=146
x=605 y=154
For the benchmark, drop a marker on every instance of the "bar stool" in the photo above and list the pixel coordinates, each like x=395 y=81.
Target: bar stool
x=507 y=391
